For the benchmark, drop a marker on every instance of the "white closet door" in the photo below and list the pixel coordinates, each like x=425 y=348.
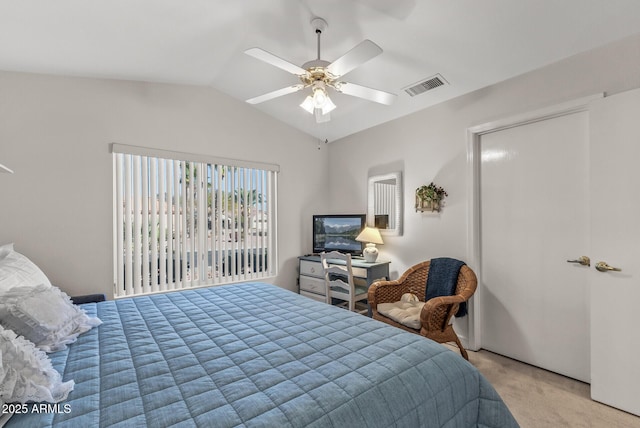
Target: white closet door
x=615 y=239
x=533 y=218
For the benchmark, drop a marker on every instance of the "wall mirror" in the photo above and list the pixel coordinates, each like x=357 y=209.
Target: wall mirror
x=385 y=203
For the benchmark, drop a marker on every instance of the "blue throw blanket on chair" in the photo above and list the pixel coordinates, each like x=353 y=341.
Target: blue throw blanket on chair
x=442 y=280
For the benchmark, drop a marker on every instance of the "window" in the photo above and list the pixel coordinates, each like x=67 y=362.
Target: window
x=184 y=221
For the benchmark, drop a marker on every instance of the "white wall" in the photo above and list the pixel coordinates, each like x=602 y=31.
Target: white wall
x=431 y=145
x=55 y=133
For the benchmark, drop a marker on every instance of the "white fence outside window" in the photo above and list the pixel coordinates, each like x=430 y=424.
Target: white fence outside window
x=184 y=220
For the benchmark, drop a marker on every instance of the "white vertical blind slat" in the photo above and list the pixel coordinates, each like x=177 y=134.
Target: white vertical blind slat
x=269 y=225
x=272 y=188
x=145 y=224
x=244 y=215
x=118 y=227
x=220 y=222
x=187 y=280
x=225 y=225
x=202 y=223
x=167 y=267
x=209 y=203
x=162 y=214
x=177 y=265
x=190 y=215
x=153 y=274
x=128 y=269
x=234 y=225
x=137 y=224
x=266 y=222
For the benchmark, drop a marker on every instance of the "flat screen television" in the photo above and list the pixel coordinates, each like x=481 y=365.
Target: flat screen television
x=338 y=232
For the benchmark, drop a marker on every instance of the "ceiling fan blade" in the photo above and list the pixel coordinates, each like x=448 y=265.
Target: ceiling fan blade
x=276 y=61
x=357 y=56
x=275 y=94
x=370 y=94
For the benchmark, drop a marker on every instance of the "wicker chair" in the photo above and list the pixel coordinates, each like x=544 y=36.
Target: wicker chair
x=436 y=313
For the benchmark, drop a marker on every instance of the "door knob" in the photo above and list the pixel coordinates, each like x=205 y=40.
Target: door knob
x=604 y=267
x=583 y=260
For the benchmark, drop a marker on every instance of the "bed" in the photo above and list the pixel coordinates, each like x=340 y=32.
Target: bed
x=255 y=354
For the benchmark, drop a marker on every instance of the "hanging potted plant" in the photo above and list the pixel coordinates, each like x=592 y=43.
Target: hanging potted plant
x=429 y=197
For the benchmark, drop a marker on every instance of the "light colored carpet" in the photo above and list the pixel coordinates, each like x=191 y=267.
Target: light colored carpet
x=539 y=398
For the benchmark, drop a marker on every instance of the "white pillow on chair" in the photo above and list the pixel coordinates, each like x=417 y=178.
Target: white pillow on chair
x=409 y=298
x=406 y=311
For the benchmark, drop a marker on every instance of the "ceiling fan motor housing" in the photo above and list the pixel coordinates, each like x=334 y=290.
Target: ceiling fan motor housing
x=316 y=71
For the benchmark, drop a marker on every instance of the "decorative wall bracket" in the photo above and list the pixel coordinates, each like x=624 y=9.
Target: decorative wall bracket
x=429 y=197
x=427 y=205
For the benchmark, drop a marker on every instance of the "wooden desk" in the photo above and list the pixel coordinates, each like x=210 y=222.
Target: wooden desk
x=311 y=278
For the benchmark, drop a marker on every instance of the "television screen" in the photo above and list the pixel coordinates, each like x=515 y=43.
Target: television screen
x=338 y=232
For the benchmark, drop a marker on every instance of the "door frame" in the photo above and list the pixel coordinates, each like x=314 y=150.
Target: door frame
x=474 y=134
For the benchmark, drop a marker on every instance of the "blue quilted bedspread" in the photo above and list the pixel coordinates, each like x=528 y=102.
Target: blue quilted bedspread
x=257 y=355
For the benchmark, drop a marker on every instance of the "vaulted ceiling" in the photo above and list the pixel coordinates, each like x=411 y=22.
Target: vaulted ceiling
x=470 y=44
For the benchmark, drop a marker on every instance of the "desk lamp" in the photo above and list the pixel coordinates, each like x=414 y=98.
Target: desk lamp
x=371 y=236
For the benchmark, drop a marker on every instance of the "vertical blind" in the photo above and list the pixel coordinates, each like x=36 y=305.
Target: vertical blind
x=385 y=202
x=184 y=220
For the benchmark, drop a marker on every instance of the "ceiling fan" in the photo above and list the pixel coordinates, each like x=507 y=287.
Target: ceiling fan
x=319 y=75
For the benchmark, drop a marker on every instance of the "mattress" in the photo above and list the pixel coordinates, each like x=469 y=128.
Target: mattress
x=257 y=355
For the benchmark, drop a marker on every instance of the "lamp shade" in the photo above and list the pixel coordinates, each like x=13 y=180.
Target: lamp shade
x=370 y=235
x=319 y=97
x=328 y=106
x=307 y=104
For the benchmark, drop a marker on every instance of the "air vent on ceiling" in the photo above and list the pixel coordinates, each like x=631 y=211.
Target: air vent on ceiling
x=425 y=85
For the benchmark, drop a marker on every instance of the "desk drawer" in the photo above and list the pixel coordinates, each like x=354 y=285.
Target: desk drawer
x=312 y=285
x=359 y=272
x=311 y=268
x=315 y=269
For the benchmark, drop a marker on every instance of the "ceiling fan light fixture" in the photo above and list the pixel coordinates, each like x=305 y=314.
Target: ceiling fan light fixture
x=307 y=104
x=320 y=97
x=319 y=101
x=328 y=106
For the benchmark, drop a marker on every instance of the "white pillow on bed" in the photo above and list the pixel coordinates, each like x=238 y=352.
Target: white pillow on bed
x=17 y=270
x=5 y=249
x=26 y=373
x=44 y=315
